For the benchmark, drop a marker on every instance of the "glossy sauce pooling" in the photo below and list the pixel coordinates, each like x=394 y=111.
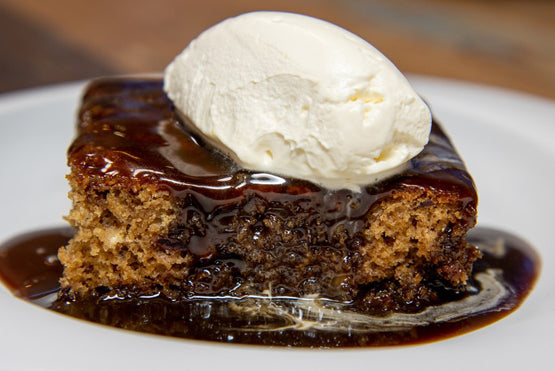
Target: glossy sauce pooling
x=29 y=264
x=129 y=132
x=499 y=284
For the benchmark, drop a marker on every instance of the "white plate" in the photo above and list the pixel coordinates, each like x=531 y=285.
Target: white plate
x=505 y=137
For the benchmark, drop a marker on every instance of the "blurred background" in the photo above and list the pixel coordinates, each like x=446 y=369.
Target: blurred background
x=504 y=43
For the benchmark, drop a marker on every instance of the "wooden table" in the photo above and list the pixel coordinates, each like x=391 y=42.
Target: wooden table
x=496 y=42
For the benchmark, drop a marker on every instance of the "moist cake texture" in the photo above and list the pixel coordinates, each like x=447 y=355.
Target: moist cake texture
x=156 y=210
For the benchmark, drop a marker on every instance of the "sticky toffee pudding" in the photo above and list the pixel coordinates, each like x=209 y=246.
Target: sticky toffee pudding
x=171 y=237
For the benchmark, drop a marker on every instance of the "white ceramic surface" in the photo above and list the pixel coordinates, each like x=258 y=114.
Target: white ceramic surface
x=506 y=139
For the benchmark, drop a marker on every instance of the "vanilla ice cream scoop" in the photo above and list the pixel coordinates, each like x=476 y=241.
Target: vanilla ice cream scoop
x=300 y=97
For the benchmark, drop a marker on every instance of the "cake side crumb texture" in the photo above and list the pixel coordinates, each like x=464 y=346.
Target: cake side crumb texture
x=116 y=239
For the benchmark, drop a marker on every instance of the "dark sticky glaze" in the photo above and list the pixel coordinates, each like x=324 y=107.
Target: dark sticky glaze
x=129 y=132
x=29 y=268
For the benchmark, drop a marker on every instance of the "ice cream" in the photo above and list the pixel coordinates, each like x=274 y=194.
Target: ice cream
x=301 y=97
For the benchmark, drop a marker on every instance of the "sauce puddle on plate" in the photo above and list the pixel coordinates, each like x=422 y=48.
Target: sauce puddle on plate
x=500 y=282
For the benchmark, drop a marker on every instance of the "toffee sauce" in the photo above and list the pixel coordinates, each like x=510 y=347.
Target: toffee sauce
x=500 y=282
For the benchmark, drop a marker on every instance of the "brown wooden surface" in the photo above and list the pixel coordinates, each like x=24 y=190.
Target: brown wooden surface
x=504 y=43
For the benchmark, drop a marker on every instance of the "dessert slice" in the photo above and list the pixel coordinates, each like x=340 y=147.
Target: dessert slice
x=157 y=210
